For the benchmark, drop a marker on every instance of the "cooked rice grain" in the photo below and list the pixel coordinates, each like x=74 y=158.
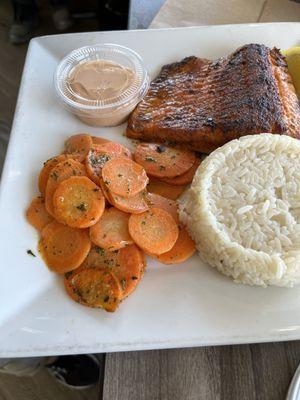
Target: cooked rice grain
x=243 y=210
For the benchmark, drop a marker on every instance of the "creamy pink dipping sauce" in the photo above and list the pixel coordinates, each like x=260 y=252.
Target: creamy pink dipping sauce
x=101 y=81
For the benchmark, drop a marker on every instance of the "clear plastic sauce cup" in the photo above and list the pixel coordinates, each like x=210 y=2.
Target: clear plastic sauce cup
x=108 y=111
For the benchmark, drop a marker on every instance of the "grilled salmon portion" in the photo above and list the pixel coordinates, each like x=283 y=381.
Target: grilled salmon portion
x=203 y=104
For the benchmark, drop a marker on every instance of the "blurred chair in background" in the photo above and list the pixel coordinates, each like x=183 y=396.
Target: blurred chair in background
x=26 y=18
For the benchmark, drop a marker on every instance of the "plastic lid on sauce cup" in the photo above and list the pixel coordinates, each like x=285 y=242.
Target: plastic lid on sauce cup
x=107 y=112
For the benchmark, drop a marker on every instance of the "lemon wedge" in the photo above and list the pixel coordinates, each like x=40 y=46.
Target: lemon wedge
x=292 y=56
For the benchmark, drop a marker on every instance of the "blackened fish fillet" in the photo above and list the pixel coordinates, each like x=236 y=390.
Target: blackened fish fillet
x=204 y=104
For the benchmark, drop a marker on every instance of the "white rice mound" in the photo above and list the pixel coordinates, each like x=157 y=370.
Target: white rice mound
x=243 y=210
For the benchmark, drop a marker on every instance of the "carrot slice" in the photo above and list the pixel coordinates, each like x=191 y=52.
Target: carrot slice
x=154 y=231
x=131 y=268
x=37 y=215
x=99 y=140
x=134 y=205
x=164 y=189
x=94 y=162
x=62 y=171
x=124 y=177
x=128 y=264
x=111 y=231
x=185 y=178
x=183 y=249
x=99 y=154
x=116 y=149
x=101 y=258
x=162 y=161
x=95 y=288
x=157 y=201
x=79 y=145
x=63 y=248
x=48 y=166
x=78 y=202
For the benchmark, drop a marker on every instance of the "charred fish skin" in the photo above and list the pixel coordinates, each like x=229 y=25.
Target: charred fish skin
x=204 y=104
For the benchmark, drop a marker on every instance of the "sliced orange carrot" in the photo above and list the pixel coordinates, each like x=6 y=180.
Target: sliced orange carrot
x=78 y=202
x=94 y=288
x=154 y=231
x=157 y=201
x=101 y=258
x=79 y=145
x=131 y=268
x=59 y=173
x=185 y=178
x=99 y=154
x=37 y=215
x=99 y=140
x=111 y=231
x=183 y=249
x=128 y=264
x=64 y=248
x=48 y=165
x=134 y=205
x=124 y=177
x=162 y=161
x=116 y=149
x=95 y=161
x=164 y=189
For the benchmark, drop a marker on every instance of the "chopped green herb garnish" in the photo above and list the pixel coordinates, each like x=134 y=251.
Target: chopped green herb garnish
x=151 y=159
x=99 y=250
x=123 y=283
x=82 y=207
x=77 y=292
x=30 y=252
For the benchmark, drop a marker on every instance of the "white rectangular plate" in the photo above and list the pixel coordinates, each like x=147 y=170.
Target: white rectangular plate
x=174 y=306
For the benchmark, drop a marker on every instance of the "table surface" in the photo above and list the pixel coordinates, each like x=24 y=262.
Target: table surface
x=142 y=12
x=257 y=371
